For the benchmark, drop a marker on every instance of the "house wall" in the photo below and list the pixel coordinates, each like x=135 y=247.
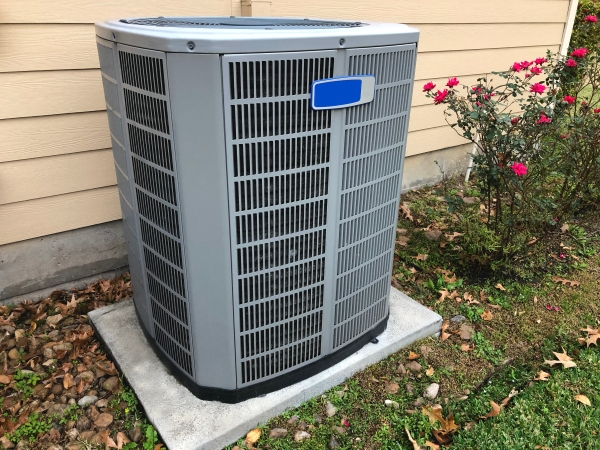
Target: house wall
x=56 y=171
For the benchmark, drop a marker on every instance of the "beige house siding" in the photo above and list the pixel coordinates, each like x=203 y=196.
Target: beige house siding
x=56 y=171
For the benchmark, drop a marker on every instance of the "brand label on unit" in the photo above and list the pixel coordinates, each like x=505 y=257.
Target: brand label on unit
x=342 y=92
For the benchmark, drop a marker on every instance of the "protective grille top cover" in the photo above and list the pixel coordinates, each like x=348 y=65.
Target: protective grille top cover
x=238 y=22
x=310 y=198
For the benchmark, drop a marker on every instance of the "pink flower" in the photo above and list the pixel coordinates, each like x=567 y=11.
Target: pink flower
x=517 y=67
x=519 y=169
x=452 y=82
x=579 y=52
x=561 y=256
x=487 y=97
x=440 y=96
x=538 y=88
x=514 y=120
x=345 y=422
x=591 y=19
x=536 y=71
x=526 y=64
x=571 y=63
x=479 y=104
x=570 y=100
x=476 y=90
x=597 y=111
x=428 y=87
x=543 y=119
x=540 y=61
x=563 y=136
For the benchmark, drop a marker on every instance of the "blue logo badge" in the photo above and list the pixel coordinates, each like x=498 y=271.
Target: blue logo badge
x=342 y=92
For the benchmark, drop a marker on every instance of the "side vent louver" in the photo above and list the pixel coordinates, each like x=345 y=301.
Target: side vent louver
x=147 y=120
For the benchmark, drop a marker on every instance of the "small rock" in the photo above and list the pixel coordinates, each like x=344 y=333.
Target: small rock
x=103 y=420
x=433 y=235
x=419 y=402
x=470 y=200
x=71 y=424
x=463 y=398
x=333 y=443
x=330 y=410
x=392 y=388
x=54 y=335
x=302 y=425
x=135 y=434
x=23 y=445
x=458 y=319
x=33 y=344
x=466 y=331
x=401 y=369
x=317 y=418
x=410 y=389
x=57 y=409
x=87 y=377
x=425 y=351
x=432 y=391
x=392 y=404
x=278 y=433
x=293 y=419
x=340 y=430
x=71 y=402
x=414 y=366
x=65 y=346
x=93 y=413
x=87 y=400
x=63 y=399
x=10 y=343
x=19 y=334
x=301 y=436
x=41 y=393
x=55 y=447
x=97 y=439
x=112 y=384
x=57 y=389
x=6 y=443
x=103 y=403
x=13 y=354
x=86 y=435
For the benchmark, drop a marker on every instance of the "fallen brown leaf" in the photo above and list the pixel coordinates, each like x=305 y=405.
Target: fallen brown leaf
x=431 y=445
x=592 y=338
x=392 y=388
x=496 y=408
x=402 y=240
x=533 y=241
x=5 y=379
x=507 y=399
x=465 y=331
x=430 y=371
x=451 y=237
x=421 y=257
x=542 y=376
x=565 y=282
x=499 y=286
x=412 y=355
x=564 y=228
x=406 y=212
x=253 y=436
x=563 y=359
x=583 y=399
x=467 y=347
x=445 y=335
x=121 y=439
x=487 y=315
x=68 y=381
x=415 y=444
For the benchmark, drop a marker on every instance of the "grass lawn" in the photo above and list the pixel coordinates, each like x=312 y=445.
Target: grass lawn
x=487 y=365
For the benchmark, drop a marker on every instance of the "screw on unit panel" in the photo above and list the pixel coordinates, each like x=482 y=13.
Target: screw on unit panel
x=191 y=45
x=114 y=36
x=342 y=41
x=374 y=341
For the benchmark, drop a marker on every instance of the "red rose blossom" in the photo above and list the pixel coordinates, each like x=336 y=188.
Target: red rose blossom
x=591 y=19
x=428 y=87
x=597 y=111
x=579 y=52
x=514 y=120
x=540 y=61
x=452 y=82
x=519 y=169
x=538 y=88
x=517 y=67
x=563 y=136
x=543 y=119
x=526 y=64
x=570 y=100
x=571 y=63
x=536 y=71
x=440 y=96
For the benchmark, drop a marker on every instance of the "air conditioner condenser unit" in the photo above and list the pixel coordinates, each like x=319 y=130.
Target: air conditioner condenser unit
x=259 y=164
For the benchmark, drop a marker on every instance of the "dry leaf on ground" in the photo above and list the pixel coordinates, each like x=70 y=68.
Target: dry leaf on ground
x=466 y=331
x=592 y=338
x=392 y=388
x=563 y=359
x=406 y=211
x=487 y=315
x=451 y=237
x=542 y=376
x=253 y=436
x=430 y=371
x=412 y=355
x=445 y=335
x=564 y=228
x=496 y=408
x=431 y=445
x=533 y=241
x=583 y=399
x=402 y=240
x=416 y=446
x=421 y=257
x=499 y=286
x=507 y=399
x=467 y=347
x=565 y=282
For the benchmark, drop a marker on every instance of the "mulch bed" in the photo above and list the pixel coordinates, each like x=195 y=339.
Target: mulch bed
x=59 y=390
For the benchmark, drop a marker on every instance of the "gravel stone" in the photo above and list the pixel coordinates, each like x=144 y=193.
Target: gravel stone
x=278 y=433
x=87 y=400
x=458 y=319
x=330 y=410
x=432 y=391
x=301 y=436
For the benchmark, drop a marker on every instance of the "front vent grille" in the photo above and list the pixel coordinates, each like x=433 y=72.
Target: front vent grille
x=146 y=110
x=276 y=78
x=279 y=204
x=374 y=142
x=156 y=193
x=256 y=120
x=142 y=72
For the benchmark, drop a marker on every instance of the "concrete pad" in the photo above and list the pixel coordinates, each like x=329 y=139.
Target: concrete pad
x=188 y=423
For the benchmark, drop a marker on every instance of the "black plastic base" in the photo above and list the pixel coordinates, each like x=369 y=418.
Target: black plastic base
x=274 y=384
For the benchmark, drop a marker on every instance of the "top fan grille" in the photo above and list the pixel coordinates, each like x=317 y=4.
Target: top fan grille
x=239 y=22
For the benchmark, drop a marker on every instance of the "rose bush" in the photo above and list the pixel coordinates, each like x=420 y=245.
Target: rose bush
x=537 y=132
